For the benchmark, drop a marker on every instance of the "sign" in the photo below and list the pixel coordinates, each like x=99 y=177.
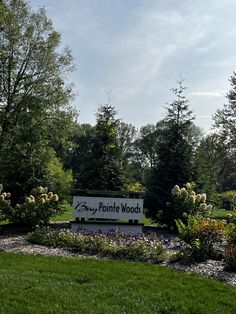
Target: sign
x=107 y=207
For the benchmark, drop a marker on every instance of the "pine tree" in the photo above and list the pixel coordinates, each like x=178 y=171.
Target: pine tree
x=101 y=167
x=225 y=127
x=175 y=153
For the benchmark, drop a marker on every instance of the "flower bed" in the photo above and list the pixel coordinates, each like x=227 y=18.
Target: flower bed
x=112 y=244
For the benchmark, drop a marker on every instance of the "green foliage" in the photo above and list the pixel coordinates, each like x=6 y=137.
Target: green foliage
x=183 y=202
x=60 y=180
x=224 y=124
x=32 y=94
x=230 y=250
x=147 y=144
x=175 y=155
x=135 y=187
x=208 y=162
x=97 y=159
x=230 y=257
x=113 y=244
x=201 y=235
x=226 y=200
x=37 y=209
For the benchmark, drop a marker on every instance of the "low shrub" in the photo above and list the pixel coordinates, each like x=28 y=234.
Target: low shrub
x=142 y=248
x=226 y=200
x=37 y=209
x=230 y=249
x=202 y=236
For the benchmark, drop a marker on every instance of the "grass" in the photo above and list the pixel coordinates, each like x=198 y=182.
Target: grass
x=66 y=215
x=34 y=284
x=221 y=214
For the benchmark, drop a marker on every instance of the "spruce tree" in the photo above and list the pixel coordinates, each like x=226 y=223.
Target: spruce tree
x=175 y=153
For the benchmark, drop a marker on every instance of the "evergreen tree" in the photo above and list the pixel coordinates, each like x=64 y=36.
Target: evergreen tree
x=101 y=167
x=175 y=153
x=108 y=172
x=225 y=127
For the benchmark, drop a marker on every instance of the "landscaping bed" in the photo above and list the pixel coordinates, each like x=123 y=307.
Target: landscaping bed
x=12 y=241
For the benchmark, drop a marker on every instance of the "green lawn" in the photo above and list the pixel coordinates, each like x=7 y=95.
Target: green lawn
x=34 y=284
x=66 y=215
x=221 y=214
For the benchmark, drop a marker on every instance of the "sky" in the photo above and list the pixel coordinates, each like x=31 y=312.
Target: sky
x=132 y=52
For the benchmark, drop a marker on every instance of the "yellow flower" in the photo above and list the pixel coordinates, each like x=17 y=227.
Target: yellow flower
x=50 y=194
x=208 y=208
x=203 y=197
x=192 y=199
x=32 y=198
x=44 y=196
x=176 y=190
x=188 y=185
x=45 y=190
x=55 y=198
x=184 y=193
x=40 y=189
x=203 y=206
x=198 y=198
x=42 y=201
x=28 y=200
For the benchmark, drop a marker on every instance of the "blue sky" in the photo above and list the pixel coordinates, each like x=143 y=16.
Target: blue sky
x=136 y=50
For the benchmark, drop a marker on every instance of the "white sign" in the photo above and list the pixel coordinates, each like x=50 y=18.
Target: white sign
x=107 y=207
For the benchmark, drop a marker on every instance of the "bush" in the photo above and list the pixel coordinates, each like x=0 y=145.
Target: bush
x=37 y=209
x=60 y=180
x=184 y=201
x=226 y=200
x=112 y=244
x=202 y=236
x=230 y=250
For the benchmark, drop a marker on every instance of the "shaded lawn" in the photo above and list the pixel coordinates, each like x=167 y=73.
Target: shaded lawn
x=221 y=214
x=66 y=214
x=35 y=284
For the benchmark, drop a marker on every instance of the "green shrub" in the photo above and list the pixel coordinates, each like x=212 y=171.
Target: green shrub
x=230 y=249
x=59 y=180
x=202 y=236
x=37 y=209
x=135 y=187
x=184 y=201
x=226 y=200
x=112 y=244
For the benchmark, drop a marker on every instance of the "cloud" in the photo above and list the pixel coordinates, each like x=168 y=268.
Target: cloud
x=137 y=49
x=217 y=93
